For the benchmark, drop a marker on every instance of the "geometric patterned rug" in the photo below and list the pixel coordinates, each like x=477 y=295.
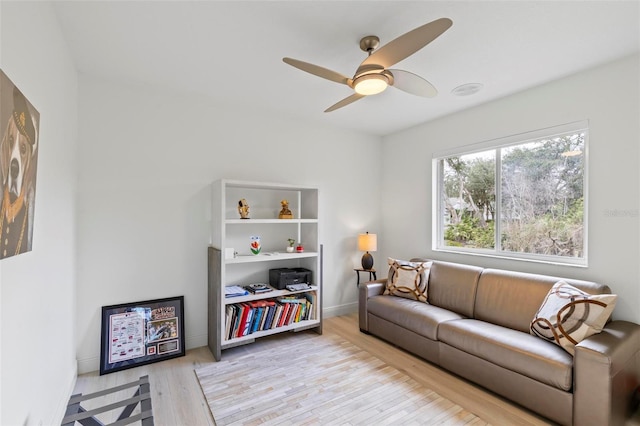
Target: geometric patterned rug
x=306 y=378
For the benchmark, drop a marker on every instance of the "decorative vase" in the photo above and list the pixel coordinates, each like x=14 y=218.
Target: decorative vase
x=290 y=249
x=300 y=248
x=255 y=245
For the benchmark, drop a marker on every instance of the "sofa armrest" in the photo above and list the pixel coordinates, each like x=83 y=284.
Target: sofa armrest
x=606 y=374
x=365 y=291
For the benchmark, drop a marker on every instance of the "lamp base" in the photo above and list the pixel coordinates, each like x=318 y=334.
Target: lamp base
x=367 y=261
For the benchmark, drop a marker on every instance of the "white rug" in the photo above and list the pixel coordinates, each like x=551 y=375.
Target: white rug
x=311 y=379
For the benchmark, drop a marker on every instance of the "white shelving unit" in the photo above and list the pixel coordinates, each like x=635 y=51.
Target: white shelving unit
x=228 y=231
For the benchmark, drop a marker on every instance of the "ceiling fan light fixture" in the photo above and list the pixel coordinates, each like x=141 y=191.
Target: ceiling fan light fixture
x=374 y=74
x=370 y=84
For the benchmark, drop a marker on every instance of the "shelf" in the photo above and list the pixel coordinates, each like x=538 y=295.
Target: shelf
x=250 y=258
x=250 y=337
x=268 y=295
x=268 y=221
x=231 y=183
x=230 y=232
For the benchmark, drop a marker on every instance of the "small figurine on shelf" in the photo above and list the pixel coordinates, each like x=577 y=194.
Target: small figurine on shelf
x=243 y=209
x=300 y=248
x=285 y=213
x=255 y=245
x=291 y=242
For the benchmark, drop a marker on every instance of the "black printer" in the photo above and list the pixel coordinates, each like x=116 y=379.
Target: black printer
x=280 y=278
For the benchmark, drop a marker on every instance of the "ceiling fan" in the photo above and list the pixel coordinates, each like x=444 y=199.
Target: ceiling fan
x=373 y=75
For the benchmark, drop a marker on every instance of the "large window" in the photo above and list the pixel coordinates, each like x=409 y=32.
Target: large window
x=518 y=197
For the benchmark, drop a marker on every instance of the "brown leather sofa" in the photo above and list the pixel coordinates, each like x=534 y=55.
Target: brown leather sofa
x=476 y=325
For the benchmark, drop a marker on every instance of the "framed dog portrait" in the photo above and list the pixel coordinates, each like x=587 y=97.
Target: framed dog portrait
x=19 y=127
x=139 y=333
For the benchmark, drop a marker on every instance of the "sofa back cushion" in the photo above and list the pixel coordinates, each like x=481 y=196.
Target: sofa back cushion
x=452 y=286
x=511 y=299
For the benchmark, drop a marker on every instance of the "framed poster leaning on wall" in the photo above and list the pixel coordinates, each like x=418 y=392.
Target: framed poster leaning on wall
x=139 y=333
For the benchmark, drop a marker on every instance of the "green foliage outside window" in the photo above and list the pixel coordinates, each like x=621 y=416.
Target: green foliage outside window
x=541 y=193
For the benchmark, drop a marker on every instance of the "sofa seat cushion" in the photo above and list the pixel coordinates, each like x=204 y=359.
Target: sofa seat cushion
x=511 y=349
x=419 y=317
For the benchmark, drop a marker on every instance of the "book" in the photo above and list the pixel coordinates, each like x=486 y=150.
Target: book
x=268 y=306
x=270 y=315
x=233 y=320
x=293 y=307
x=285 y=311
x=277 y=315
x=236 y=322
x=263 y=320
x=293 y=299
x=261 y=303
x=234 y=291
x=299 y=312
x=228 y=320
x=256 y=319
x=244 y=312
x=296 y=315
x=311 y=298
x=309 y=310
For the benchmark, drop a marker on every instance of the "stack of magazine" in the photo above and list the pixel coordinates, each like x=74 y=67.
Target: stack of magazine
x=234 y=291
x=258 y=288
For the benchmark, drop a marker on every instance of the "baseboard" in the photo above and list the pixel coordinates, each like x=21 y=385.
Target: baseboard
x=88 y=365
x=64 y=401
x=336 y=311
x=192 y=342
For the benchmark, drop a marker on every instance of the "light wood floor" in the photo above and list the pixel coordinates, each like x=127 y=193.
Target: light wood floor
x=178 y=400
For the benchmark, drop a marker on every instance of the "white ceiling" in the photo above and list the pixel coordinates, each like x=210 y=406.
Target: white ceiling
x=232 y=51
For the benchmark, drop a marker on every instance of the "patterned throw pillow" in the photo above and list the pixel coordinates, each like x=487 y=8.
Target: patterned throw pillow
x=408 y=279
x=569 y=315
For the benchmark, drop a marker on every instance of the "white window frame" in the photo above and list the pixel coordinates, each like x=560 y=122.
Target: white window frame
x=496 y=144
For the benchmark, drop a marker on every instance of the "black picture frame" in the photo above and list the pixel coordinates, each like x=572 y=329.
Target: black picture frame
x=139 y=333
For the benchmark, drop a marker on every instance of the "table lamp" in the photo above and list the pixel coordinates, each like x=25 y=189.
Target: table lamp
x=367 y=242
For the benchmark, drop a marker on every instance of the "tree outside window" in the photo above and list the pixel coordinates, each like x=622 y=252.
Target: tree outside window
x=536 y=211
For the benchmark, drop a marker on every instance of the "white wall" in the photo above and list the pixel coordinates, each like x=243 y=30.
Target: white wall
x=608 y=96
x=38 y=364
x=147 y=160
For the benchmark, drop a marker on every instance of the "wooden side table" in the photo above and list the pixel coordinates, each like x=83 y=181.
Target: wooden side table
x=372 y=273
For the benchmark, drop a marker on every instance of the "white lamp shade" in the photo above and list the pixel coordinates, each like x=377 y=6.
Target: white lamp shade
x=367 y=242
x=370 y=84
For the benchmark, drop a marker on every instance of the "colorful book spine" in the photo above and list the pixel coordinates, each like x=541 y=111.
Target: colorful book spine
x=258 y=318
x=243 y=311
x=228 y=320
x=247 y=324
x=277 y=315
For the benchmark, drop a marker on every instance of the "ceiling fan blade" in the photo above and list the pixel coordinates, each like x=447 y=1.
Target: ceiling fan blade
x=317 y=70
x=412 y=83
x=346 y=101
x=408 y=43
